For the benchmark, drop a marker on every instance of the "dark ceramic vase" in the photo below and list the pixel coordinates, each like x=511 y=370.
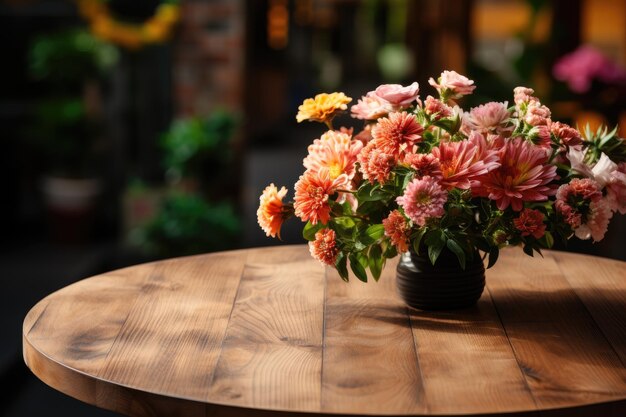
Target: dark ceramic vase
x=443 y=286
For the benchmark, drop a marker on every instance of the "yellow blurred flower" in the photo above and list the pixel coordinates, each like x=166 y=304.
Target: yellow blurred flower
x=156 y=29
x=168 y=13
x=323 y=108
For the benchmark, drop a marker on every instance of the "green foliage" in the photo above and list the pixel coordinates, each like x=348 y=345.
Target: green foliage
x=604 y=141
x=69 y=57
x=187 y=224
x=194 y=144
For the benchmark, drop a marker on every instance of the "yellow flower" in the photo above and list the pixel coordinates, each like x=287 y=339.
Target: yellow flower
x=168 y=13
x=323 y=108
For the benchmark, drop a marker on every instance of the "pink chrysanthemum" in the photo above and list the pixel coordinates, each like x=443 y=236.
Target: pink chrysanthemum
x=436 y=108
x=424 y=164
x=567 y=135
x=523 y=175
x=370 y=107
x=597 y=221
x=461 y=162
x=324 y=247
x=376 y=165
x=492 y=117
x=530 y=223
x=397 y=229
x=271 y=213
x=397 y=133
x=312 y=193
x=423 y=199
x=616 y=189
x=334 y=151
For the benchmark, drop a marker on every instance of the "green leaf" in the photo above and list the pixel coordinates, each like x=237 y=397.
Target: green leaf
x=342 y=267
x=549 y=239
x=310 y=230
x=357 y=268
x=345 y=225
x=528 y=250
x=458 y=251
x=434 y=237
x=493 y=256
x=390 y=252
x=451 y=125
x=372 y=234
x=376 y=261
x=369 y=192
x=435 y=250
x=417 y=239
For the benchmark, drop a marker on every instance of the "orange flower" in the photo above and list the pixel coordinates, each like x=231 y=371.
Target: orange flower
x=313 y=190
x=334 y=151
x=397 y=229
x=323 y=108
x=271 y=213
x=397 y=133
x=324 y=247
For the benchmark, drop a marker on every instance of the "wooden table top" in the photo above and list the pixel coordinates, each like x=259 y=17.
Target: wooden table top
x=274 y=331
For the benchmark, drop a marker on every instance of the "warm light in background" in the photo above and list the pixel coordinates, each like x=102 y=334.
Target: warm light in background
x=277 y=24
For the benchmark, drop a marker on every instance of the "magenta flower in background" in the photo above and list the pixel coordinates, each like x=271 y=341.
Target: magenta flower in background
x=579 y=68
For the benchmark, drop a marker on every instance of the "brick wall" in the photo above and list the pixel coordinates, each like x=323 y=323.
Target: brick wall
x=208 y=68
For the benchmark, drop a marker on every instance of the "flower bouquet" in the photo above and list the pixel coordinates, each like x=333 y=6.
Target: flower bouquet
x=430 y=180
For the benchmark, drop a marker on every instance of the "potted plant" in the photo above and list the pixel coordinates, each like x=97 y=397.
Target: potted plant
x=446 y=188
x=194 y=213
x=65 y=126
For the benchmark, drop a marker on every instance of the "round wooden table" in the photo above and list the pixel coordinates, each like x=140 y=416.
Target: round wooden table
x=272 y=332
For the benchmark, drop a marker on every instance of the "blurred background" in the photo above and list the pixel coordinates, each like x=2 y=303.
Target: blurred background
x=138 y=130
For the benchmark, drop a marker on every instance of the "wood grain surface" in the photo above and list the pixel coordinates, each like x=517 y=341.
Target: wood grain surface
x=271 y=332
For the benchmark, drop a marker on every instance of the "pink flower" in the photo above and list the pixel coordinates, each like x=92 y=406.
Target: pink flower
x=324 y=247
x=581 y=67
x=523 y=95
x=601 y=171
x=423 y=199
x=461 y=162
x=334 y=151
x=365 y=135
x=376 y=165
x=573 y=200
x=271 y=213
x=524 y=175
x=616 y=189
x=397 y=133
x=313 y=190
x=579 y=189
x=540 y=136
x=424 y=164
x=597 y=221
x=397 y=229
x=572 y=217
x=436 y=109
x=452 y=85
x=567 y=135
x=398 y=96
x=530 y=223
x=489 y=118
x=370 y=107
x=537 y=114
